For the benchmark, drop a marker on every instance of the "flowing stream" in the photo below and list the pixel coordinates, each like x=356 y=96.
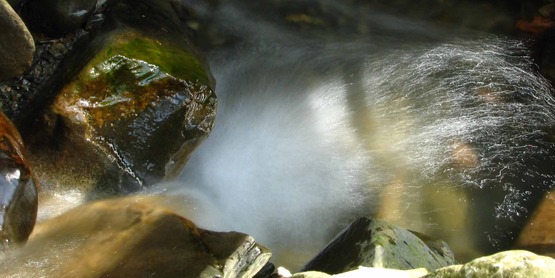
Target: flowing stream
x=442 y=131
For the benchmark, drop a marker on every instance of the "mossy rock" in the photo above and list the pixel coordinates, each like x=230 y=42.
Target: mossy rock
x=130 y=118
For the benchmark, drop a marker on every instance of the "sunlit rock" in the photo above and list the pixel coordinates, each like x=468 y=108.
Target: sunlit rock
x=374 y=243
x=16 y=43
x=132 y=238
x=18 y=194
x=515 y=264
x=144 y=120
x=538 y=235
x=57 y=17
x=134 y=113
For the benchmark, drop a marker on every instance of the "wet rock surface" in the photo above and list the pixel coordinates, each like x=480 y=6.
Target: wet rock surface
x=131 y=237
x=16 y=43
x=18 y=192
x=132 y=114
x=144 y=120
x=373 y=243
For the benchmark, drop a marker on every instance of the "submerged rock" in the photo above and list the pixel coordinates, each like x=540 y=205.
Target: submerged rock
x=373 y=243
x=18 y=194
x=17 y=46
x=132 y=238
x=514 y=264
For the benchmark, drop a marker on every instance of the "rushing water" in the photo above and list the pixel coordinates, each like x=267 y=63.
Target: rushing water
x=445 y=132
x=450 y=135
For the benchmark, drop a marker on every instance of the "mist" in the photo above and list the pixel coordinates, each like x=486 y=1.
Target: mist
x=314 y=129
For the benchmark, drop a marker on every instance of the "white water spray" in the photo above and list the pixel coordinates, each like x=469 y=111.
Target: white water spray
x=311 y=133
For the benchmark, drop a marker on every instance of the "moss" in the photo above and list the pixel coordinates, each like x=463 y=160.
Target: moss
x=170 y=56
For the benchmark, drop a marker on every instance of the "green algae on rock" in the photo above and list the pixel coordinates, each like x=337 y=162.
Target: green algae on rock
x=168 y=55
x=126 y=108
x=18 y=192
x=140 y=117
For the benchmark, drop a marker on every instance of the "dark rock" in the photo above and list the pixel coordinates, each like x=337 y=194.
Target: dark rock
x=16 y=4
x=143 y=125
x=266 y=271
x=132 y=238
x=18 y=194
x=517 y=264
x=374 y=243
x=56 y=18
x=132 y=115
x=16 y=43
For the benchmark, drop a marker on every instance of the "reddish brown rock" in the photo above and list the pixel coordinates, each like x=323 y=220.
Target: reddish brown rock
x=18 y=193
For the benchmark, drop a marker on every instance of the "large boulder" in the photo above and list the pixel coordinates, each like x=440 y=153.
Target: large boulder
x=373 y=243
x=515 y=264
x=17 y=46
x=18 y=192
x=132 y=237
x=135 y=111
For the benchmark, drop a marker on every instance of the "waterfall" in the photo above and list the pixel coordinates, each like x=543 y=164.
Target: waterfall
x=445 y=132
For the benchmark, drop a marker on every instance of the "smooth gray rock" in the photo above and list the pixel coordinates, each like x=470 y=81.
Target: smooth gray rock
x=17 y=46
x=374 y=243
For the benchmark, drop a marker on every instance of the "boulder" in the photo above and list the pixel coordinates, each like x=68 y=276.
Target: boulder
x=17 y=46
x=135 y=111
x=373 y=243
x=18 y=193
x=132 y=237
x=513 y=264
